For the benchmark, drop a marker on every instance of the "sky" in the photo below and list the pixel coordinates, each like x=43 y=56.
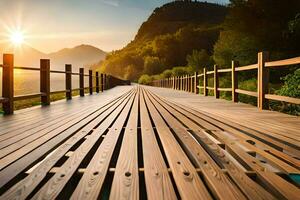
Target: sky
x=50 y=25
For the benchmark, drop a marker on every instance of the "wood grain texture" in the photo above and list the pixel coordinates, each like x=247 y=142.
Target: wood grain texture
x=126 y=179
x=93 y=178
x=134 y=142
x=158 y=181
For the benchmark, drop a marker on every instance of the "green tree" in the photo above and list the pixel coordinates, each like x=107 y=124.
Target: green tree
x=145 y=79
x=199 y=59
x=152 y=65
x=257 y=25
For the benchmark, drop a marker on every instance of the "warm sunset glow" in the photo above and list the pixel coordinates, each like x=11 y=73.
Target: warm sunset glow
x=17 y=38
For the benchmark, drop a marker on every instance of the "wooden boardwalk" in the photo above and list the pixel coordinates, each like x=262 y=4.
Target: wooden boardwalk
x=134 y=142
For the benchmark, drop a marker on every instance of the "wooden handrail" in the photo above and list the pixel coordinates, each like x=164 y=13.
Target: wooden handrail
x=281 y=63
x=225 y=89
x=245 y=68
x=224 y=70
x=282 y=98
x=8 y=67
x=246 y=92
x=262 y=66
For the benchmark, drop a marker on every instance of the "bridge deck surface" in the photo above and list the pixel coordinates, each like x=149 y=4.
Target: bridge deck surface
x=135 y=142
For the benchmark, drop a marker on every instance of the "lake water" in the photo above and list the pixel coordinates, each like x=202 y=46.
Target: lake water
x=28 y=82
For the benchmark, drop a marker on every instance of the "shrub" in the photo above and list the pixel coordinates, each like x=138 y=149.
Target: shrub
x=145 y=79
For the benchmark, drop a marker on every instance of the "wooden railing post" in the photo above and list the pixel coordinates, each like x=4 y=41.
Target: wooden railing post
x=234 y=81
x=186 y=83
x=204 y=82
x=192 y=84
x=101 y=82
x=97 y=82
x=216 y=82
x=91 y=81
x=8 y=83
x=196 y=83
x=68 y=68
x=263 y=80
x=45 y=81
x=81 y=82
x=174 y=82
x=180 y=82
x=104 y=82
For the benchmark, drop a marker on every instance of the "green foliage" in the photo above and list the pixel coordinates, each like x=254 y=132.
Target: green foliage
x=291 y=87
x=145 y=79
x=167 y=73
x=199 y=59
x=152 y=65
x=235 y=46
x=170 y=34
x=249 y=85
x=255 y=25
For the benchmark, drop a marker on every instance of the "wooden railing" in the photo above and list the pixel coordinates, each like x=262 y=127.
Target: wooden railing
x=102 y=82
x=191 y=83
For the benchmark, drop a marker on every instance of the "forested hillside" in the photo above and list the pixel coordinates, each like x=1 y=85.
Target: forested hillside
x=171 y=33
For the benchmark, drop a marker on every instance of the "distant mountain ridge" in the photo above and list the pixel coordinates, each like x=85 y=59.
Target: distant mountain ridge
x=79 y=56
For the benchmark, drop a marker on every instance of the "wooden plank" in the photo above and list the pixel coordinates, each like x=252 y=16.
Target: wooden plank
x=245 y=68
x=216 y=82
x=158 y=181
x=22 y=189
x=15 y=152
x=25 y=137
x=29 y=159
x=216 y=180
x=248 y=134
x=126 y=178
x=249 y=188
x=276 y=184
x=92 y=180
x=234 y=82
x=27 y=96
x=282 y=63
x=8 y=83
x=262 y=80
x=42 y=126
x=224 y=89
x=250 y=93
x=283 y=98
x=186 y=178
x=54 y=186
x=224 y=70
x=45 y=81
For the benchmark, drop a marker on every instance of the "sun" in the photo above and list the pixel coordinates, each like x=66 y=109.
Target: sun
x=17 y=38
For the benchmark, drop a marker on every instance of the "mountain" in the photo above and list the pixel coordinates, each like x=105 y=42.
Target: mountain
x=23 y=56
x=162 y=42
x=175 y=15
x=79 y=56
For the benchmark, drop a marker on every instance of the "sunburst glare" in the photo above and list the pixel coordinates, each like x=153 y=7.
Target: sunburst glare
x=17 y=37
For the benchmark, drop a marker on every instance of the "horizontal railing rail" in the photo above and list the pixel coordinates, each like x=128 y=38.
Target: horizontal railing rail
x=102 y=82
x=190 y=83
